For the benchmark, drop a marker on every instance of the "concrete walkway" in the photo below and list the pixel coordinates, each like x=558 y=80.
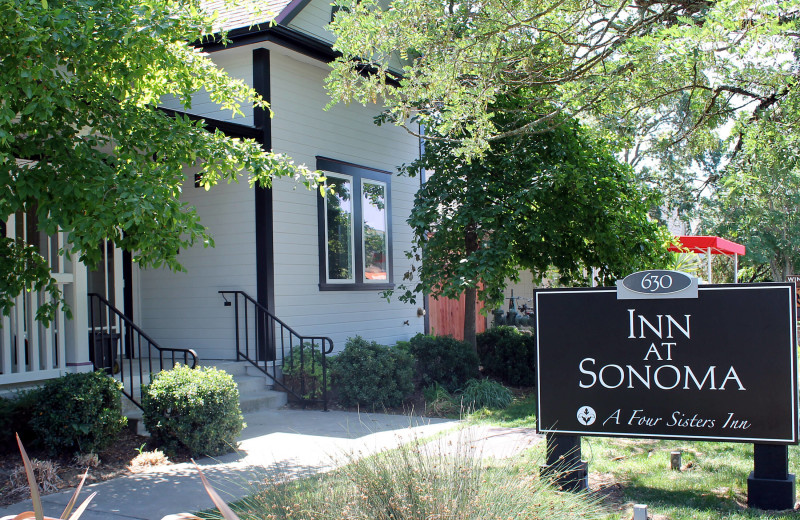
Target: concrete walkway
x=292 y=442
x=286 y=443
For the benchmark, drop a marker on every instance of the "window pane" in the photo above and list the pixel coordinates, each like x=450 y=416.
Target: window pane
x=375 y=231
x=339 y=222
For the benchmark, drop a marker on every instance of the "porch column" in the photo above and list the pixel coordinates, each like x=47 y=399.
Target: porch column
x=78 y=349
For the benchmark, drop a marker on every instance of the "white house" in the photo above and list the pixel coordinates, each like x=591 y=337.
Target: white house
x=318 y=264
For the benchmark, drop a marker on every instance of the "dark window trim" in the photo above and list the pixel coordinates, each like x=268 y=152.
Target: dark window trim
x=357 y=172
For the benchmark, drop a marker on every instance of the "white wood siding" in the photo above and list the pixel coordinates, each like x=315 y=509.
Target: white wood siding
x=303 y=130
x=238 y=65
x=185 y=310
x=313 y=20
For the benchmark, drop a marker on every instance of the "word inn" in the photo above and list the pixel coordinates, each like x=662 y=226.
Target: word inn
x=658 y=331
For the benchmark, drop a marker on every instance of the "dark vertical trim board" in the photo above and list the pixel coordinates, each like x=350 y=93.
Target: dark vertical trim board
x=127 y=284
x=265 y=254
x=263 y=196
x=127 y=296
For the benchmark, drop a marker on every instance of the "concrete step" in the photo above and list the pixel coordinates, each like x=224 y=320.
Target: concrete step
x=266 y=400
x=234 y=368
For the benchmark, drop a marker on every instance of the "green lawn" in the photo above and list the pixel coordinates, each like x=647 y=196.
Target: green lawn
x=712 y=485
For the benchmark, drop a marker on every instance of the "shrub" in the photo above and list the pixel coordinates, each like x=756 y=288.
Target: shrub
x=443 y=360
x=370 y=374
x=195 y=408
x=508 y=355
x=7 y=423
x=15 y=417
x=485 y=393
x=438 y=401
x=304 y=367
x=77 y=413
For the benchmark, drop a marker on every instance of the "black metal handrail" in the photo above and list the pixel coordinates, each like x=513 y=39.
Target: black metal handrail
x=295 y=363
x=116 y=345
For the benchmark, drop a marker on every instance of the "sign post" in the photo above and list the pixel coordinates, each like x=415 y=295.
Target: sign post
x=770 y=485
x=661 y=357
x=563 y=464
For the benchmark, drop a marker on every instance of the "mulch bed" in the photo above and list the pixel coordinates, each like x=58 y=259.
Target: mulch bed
x=114 y=462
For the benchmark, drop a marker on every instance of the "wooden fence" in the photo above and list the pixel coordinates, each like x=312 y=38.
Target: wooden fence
x=446 y=317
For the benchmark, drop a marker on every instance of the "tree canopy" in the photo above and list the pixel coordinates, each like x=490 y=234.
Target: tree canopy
x=534 y=201
x=756 y=200
x=83 y=148
x=664 y=81
x=653 y=73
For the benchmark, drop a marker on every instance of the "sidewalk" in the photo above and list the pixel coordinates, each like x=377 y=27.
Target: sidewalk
x=286 y=442
x=293 y=442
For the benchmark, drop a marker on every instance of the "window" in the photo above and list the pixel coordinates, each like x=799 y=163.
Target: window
x=355 y=246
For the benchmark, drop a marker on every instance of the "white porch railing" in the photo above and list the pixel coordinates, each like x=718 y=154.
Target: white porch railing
x=29 y=351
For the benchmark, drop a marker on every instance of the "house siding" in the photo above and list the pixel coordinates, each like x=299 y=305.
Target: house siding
x=313 y=19
x=185 y=309
x=346 y=133
x=237 y=65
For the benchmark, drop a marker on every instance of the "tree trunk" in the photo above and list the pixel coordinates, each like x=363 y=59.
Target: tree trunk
x=470 y=293
x=780 y=267
x=470 y=305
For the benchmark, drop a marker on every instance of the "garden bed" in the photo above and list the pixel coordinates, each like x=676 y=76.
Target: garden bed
x=113 y=462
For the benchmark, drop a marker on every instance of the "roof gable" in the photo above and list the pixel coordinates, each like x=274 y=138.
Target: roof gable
x=243 y=14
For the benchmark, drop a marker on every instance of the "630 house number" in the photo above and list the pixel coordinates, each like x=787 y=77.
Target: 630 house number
x=657 y=282
x=654 y=282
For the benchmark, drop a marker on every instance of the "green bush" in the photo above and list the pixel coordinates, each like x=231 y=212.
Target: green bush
x=485 y=393
x=443 y=360
x=303 y=367
x=76 y=413
x=15 y=418
x=374 y=375
x=194 y=408
x=438 y=401
x=7 y=424
x=508 y=355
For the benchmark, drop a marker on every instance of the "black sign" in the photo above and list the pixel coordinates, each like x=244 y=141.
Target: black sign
x=719 y=367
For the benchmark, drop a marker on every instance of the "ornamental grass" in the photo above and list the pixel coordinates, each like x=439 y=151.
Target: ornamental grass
x=421 y=480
